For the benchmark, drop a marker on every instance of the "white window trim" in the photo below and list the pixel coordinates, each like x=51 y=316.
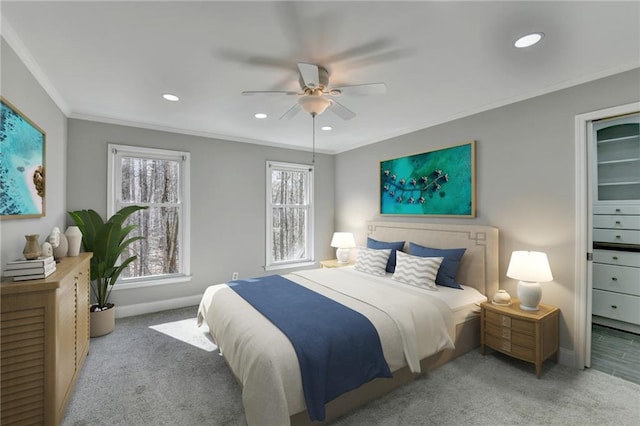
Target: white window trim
x=269 y=264
x=113 y=188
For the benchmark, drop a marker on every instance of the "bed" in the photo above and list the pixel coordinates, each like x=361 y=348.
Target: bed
x=264 y=361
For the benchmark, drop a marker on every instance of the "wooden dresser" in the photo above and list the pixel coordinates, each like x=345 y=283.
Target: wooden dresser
x=44 y=340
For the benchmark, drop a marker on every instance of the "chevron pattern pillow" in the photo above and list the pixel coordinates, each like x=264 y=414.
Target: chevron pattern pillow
x=417 y=271
x=372 y=261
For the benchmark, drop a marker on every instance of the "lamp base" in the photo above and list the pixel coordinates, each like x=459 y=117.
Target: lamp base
x=343 y=255
x=529 y=294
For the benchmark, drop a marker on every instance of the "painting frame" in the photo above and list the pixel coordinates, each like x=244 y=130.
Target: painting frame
x=22 y=165
x=436 y=183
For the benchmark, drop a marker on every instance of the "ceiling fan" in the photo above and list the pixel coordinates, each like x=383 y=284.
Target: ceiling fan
x=316 y=95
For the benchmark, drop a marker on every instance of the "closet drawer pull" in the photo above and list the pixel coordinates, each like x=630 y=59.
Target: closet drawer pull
x=614 y=279
x=614 y=306
x=618 y=210
x=615 y=257
x=618 y=237
x=617 y=222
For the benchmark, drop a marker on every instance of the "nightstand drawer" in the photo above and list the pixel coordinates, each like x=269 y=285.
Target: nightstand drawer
x=515 y=324
x=508 y=334
x=503 y=345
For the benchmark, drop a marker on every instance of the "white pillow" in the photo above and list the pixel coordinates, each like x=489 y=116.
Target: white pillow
x=372 y=261
x=417 y=271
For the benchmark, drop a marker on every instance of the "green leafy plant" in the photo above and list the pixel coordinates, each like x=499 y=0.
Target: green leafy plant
x=107 y=241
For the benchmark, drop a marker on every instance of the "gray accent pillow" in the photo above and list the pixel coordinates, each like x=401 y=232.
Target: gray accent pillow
x=372 y=261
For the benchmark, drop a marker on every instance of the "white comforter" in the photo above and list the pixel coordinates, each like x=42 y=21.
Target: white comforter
x=411 y=325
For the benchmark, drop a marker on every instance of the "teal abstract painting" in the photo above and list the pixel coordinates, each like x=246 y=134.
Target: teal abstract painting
x=22 y=170
x=436 y=183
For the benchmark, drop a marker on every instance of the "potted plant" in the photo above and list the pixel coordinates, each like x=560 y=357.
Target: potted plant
x=107 y=241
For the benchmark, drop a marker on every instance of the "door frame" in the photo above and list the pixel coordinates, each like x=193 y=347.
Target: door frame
x=583 y=229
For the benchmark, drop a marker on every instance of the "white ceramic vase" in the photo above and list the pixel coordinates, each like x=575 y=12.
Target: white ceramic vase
x=74 y=239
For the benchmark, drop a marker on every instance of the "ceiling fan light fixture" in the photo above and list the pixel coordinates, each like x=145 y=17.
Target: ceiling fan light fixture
x=314 y=105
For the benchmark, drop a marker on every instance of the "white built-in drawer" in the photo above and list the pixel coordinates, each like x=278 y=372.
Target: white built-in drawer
x=622 y=236
x=616 y=209
x=621 y=279
x=616 y=222
x=616 y=306
x=614 y=257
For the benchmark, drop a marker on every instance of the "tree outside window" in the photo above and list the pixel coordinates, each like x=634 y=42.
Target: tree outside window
x=159 y=180
x=289 y=215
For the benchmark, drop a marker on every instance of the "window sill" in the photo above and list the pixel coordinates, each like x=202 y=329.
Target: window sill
x=289 y=265
x=151 y=282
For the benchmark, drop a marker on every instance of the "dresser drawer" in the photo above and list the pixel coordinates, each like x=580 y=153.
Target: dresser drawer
x=616 y=209
x=621 y=279
x=622 y=236
x=616 y=221
x=515 y=324
x=616 y=306
x=620 y=258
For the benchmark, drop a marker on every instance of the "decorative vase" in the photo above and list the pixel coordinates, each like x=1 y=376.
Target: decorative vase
x=61 y=251
x=74 y=239
x=102 y=322
x=32 y=247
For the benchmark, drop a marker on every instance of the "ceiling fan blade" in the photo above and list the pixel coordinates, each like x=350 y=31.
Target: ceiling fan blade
x=357 y=51
x=361 y=89
x=310 y=74
x=268 y=92
x=341 y=110
x=291 y=112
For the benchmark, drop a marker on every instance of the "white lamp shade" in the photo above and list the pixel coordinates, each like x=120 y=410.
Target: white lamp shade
x=343 y=240
x=529 y=266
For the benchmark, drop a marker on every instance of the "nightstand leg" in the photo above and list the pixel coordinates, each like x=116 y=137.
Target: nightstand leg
x=538 y=369
x=482 y=349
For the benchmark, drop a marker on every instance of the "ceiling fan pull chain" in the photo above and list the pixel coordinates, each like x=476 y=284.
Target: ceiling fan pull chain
x=313 y=160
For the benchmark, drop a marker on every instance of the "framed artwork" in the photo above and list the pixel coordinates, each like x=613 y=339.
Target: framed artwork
x=22 y=168
x=433 y=183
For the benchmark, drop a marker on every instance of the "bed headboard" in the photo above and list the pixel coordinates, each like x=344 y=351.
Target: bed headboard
x=479 y=266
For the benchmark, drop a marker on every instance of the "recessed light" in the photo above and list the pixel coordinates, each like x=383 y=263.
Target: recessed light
x=260 y=115
x=170 y=97
x=528 y=40
x=327 y=128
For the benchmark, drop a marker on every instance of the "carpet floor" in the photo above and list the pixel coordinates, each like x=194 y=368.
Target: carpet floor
x=160 y=369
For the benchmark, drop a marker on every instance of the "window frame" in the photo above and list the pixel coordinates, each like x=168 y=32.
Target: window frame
x=270 y=264
x=114 y=191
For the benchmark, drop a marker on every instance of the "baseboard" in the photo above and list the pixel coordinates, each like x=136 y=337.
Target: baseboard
x=567 y=357
x=160 y=305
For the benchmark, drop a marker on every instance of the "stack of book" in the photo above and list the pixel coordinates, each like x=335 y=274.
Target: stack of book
x=23 y=269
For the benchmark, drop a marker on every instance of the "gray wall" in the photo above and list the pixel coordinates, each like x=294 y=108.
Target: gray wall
x=20 y=88
x=525 y=165
x=227 y=201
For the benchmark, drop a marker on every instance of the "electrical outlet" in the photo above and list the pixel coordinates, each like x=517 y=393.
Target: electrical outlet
x=234 y=276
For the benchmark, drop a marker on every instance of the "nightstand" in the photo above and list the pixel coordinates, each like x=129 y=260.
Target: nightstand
x=526 y=335
x=333 y=263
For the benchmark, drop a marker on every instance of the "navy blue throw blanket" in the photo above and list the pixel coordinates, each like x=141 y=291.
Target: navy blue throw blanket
x=338 y=348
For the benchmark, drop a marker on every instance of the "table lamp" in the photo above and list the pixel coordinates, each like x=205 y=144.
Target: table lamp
x=344 y=242
x=530 y=268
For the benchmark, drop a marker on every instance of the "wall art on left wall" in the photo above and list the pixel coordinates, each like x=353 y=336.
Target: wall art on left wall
x=22 y=168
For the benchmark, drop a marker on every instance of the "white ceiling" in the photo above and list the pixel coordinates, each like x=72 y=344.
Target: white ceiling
x=111 y=61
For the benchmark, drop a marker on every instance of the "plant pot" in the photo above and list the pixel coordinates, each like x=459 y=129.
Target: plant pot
x=102 y=322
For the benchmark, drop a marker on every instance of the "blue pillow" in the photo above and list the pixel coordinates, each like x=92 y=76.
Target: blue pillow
x=391 y=263
x=449 y=266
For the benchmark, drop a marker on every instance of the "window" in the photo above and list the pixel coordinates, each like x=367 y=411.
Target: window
x=289 y=215
x=158 y=179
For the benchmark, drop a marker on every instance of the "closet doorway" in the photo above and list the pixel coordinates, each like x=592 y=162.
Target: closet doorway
x=607 y=205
